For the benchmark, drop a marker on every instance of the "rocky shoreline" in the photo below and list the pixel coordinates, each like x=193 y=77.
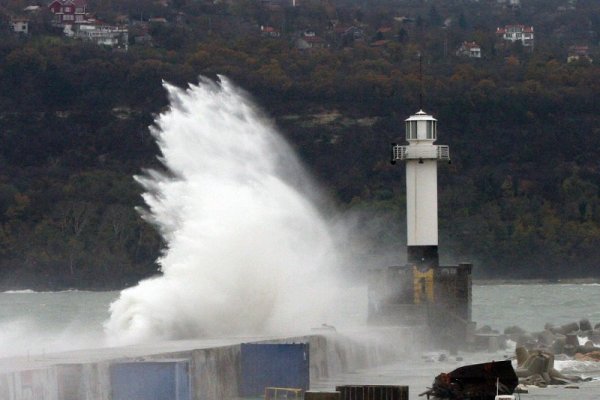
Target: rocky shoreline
x=536 y=351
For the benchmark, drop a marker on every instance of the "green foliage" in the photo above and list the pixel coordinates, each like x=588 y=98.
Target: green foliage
x=520 y=199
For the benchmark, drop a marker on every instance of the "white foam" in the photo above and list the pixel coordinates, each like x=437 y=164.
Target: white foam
x=247 y=250
x=23 y=291
x=576 y=367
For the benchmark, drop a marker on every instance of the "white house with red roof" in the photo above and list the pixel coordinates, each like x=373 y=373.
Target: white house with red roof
x=514 y=33
x=269 y=31
x=577 y=53
x=469 y=49
x=310 y=40
x=68 y=12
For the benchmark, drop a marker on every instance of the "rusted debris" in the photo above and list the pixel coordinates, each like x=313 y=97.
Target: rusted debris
x=474 y=382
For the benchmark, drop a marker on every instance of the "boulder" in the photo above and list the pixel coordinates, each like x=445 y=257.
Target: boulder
x=585 y=325
x=546 y=337
x=569 y=349
x=572 y=339
x=514 y=330
x=558 y=347
x=485 y=329
x=568 y=328
x=524 y=340
x=522 y=355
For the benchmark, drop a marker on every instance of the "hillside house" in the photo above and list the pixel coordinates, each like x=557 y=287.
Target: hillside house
x=106 y=35
x=68 y=12
x=469 y=49
x=577 y=53
x=157 y=20
x=19 y=25
x=346 y=35
x=269 y=31
x=514 y=33
x=276 y=5
x=309 y=40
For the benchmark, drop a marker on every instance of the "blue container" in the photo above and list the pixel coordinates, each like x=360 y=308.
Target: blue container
x=150 y=380
x=273 y=365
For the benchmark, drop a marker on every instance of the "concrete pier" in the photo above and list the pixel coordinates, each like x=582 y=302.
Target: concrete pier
x=213 y=365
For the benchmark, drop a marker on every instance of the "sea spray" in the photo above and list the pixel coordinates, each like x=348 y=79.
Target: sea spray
x=247 y=250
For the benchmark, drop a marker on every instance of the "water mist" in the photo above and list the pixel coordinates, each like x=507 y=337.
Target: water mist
x=247 y=250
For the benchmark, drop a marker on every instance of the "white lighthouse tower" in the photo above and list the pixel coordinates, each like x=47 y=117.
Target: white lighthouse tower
x=422 y=291
x=421 y=156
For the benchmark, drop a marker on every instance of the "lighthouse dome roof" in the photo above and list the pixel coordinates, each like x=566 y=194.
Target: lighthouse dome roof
x=421 y=116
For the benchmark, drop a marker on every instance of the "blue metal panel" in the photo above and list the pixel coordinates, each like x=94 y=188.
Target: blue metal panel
x=150 y=380
x=278 y=365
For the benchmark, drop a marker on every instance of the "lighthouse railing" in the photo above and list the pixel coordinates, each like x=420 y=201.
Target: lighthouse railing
x=443 y=152
x=428 y=152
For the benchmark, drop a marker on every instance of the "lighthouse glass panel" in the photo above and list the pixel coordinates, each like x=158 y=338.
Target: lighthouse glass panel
x=431 y=134
x=411 y=130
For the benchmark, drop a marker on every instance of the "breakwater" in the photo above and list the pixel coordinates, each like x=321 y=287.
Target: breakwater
x=212 y=368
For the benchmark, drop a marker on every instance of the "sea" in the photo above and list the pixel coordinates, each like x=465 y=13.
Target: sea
x=41 y=323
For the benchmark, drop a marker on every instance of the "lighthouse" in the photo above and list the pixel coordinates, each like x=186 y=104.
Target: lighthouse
x=421 y=156
x=422 y=292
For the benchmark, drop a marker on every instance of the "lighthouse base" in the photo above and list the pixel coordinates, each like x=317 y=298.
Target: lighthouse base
x=439 y=298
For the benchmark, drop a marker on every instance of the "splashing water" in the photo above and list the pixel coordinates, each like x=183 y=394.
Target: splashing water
x=247 y=250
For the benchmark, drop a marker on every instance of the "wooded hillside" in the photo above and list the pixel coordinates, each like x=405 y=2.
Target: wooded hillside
x=520 y=198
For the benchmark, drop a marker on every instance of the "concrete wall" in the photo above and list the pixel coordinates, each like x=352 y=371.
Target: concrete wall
x=215 y=372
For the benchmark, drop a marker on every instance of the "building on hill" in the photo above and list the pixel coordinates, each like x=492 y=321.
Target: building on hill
x=310 y=40
x=347 y=35
x=105 y=35
x=157 y=20
x=68 y=12
x=469 y=49
x=517 y=33
x=269 y=31
x=19 y=25
x=577 y=53
x=278 y=4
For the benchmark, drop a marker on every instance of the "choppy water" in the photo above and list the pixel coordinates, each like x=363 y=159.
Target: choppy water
x=45 y=322
x=531 y=306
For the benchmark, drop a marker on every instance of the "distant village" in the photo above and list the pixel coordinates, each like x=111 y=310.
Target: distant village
x=76 y=19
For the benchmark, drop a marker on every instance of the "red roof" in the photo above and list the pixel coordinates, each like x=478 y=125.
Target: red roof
x=471 y=45
x=313 y=39
x=379 y=43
